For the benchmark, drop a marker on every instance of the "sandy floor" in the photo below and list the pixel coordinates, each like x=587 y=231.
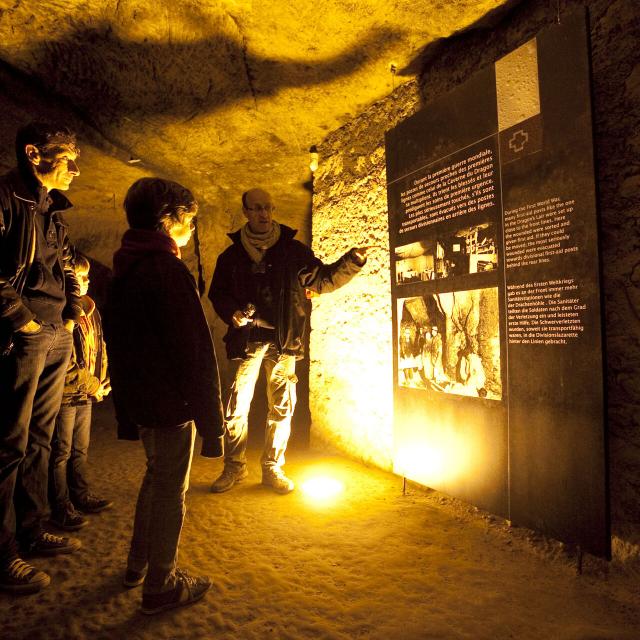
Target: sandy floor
x=372 y=563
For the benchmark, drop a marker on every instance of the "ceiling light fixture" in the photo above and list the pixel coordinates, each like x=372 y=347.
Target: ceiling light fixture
x=313 y=158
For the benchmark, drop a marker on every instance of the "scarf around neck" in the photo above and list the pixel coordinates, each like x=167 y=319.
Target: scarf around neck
x=138 y=242
x=256 y=244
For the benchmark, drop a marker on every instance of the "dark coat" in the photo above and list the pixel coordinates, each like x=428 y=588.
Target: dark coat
x=162 y=361
x=293 y=268
x=17 y=252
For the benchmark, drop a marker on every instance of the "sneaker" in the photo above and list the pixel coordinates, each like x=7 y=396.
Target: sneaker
x=47 y=544
x=133 y=578
x=187 y=590
x=93 y=504
x=231 y=474
x=20 y=577
x=68 y=519
x=276 y=480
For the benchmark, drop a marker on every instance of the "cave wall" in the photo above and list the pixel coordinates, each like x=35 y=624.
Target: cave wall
x=351 y=350
x=97 y=220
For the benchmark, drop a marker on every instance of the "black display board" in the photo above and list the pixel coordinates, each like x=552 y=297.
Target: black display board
x=498 y=366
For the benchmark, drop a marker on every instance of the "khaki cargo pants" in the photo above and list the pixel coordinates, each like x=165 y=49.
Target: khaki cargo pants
x=281 y=397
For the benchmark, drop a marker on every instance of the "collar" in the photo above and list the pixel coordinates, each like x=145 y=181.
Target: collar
x=286 y=233
x=88 y=305
x=139 y=243
x=28 y=189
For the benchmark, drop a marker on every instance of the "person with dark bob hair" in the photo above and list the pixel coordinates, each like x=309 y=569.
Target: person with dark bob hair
x=153 y=203
x=39 y=306
x=165 y=380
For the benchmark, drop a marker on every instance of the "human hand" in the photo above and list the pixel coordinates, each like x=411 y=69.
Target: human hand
x=213 y=448
x=360 y=253
x=104 y=390
x=240 y=319
x=31 y=327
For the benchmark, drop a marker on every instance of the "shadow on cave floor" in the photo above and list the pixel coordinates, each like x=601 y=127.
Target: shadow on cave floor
x=368 y=563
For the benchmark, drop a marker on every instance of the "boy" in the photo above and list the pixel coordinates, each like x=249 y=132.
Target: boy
x=86 y=382
x=165 y=379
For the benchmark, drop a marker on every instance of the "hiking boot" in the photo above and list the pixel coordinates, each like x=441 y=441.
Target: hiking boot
x=231 y=474
x=187 y=590
x=133 y=578
x=47 y=544
x=68 y=519
x=20 y=577
x=276 y=480
x=93 y=504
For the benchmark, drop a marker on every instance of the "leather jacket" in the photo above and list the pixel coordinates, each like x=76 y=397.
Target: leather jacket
x=87 y=371
x=18 y=209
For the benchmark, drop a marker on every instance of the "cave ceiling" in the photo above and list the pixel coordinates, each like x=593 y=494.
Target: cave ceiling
x=219 y=94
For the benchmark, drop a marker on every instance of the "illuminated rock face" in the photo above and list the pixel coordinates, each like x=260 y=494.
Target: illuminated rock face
x=351 y=351
x=220 y=95
x=350 y=381
x=224 y=95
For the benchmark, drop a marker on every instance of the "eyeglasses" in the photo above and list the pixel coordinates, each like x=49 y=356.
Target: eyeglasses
x=267 y=208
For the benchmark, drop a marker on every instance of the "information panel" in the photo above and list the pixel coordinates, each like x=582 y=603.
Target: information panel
x=495 y=284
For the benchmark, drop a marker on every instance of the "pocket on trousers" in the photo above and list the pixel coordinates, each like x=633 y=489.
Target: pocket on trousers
x=27 y=334
x=292 y=380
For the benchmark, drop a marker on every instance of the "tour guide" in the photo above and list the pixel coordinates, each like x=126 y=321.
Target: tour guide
x=258 y=289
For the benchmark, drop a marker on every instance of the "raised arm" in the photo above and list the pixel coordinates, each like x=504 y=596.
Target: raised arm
x=323 y=278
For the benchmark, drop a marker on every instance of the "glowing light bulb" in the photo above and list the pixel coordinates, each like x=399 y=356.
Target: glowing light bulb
x=313 y=158
x=322 y=488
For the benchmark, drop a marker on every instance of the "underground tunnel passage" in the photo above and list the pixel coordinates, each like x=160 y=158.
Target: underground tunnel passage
x=491 y=536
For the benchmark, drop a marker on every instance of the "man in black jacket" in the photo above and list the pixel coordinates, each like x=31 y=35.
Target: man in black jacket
x=165 y=381
x=258 y=289
x=39 y=303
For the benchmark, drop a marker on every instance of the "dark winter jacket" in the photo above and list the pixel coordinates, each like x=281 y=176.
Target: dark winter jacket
x=18 y=208
x=88 y=367
x=292 y=267
x=162 y=361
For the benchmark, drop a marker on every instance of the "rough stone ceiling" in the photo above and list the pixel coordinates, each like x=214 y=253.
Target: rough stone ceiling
x=220 y=94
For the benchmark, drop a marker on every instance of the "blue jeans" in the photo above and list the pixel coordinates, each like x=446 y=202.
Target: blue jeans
x=31 y=385
x=160 y=508
x=69 y=448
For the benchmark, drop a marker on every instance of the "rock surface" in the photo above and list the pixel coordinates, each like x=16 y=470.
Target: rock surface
x=351 y=337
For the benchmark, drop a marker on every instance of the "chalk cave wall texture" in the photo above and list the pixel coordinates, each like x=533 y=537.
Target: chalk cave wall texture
x=351 y=350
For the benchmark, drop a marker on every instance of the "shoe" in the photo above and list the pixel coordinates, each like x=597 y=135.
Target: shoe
x=276 y=480
x=20 y=577
x=187 y=590
x=231 y=474
x=48 y=544
x=93 y=504
x=68 y=519
x=133 y=578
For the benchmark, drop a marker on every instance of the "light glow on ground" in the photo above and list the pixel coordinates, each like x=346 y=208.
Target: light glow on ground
x=322 y=489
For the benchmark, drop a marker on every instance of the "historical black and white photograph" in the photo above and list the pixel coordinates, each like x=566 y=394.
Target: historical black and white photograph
x=415 y=262
x=470 y=249
x=450 y=343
